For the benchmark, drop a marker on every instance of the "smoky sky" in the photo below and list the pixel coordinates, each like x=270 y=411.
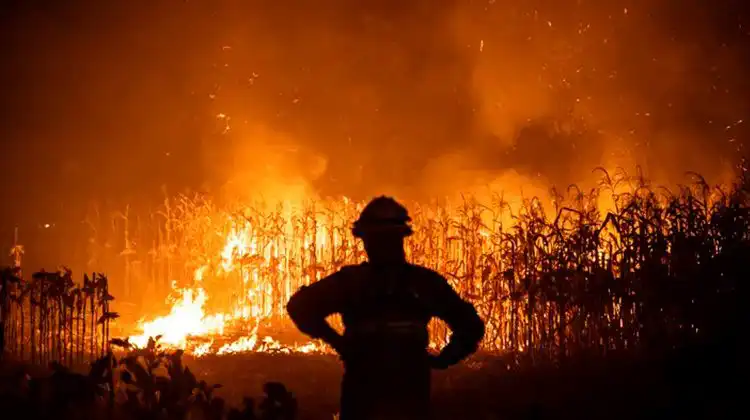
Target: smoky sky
x=113 y=100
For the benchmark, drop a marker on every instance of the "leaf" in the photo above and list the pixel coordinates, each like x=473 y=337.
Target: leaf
x=128 y=359
x=107 y=316
x=119 y=342
x=126 y=377
x=151 y=344
x=39 y=275
x=100 y=367
x=142 y=379
x=174 y=367
x=9 y=276
x=190 y=378
x=167 y=396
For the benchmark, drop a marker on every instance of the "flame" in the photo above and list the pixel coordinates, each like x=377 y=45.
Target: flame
x=188 y=322
x=186 y=318
x=262 y=257
x=257 y=261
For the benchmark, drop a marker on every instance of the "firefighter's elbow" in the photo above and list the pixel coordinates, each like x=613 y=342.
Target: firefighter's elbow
x=480 y=331
x=475 y=326
x=294 y=309
x=479 y=326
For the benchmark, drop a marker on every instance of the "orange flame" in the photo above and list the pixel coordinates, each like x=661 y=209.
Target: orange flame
x=188 y=320
x=266 y=256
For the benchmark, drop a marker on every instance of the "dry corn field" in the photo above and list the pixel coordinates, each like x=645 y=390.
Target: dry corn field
x=47 y=317
x=549 y=280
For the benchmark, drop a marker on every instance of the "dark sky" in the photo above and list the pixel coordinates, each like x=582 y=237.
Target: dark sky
x=111 y=100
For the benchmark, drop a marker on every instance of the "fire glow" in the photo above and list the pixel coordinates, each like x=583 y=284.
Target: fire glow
x=252 y=258
x=247 y=257
x=187 y=320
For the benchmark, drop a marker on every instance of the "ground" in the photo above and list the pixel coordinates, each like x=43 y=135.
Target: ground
x=616 y=387
x=700 y=382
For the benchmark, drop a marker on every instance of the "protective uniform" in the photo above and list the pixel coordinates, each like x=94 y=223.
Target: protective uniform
x=385 y=309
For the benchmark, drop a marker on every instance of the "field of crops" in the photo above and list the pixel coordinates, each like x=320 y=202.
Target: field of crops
x=549 y=278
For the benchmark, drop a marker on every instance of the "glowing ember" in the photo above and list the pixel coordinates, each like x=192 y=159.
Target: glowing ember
x=241 y=345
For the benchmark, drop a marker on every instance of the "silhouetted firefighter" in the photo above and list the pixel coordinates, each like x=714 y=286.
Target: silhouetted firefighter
x=386 y=305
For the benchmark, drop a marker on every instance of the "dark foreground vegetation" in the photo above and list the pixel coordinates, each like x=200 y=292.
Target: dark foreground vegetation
x=641 y=314
x=700 y=382
x=137 y=383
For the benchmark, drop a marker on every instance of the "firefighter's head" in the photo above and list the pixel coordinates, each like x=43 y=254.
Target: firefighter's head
x=383 y=226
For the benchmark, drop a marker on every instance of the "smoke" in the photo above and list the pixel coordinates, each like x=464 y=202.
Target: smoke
x=563 y=88
x=374 y=89
x=426 y=99
x=272 y=166
x=335 y=97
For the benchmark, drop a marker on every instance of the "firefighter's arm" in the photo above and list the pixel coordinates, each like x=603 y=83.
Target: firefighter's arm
x=466 y=326
x=311 y=305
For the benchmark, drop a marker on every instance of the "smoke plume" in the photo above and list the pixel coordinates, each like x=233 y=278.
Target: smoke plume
x=425 y=98
x=335 y=97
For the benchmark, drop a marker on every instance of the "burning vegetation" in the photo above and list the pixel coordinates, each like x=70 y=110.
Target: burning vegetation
x=547 y=281
x=623 y=265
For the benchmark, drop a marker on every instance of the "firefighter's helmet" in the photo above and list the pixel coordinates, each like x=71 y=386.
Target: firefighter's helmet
x=382 y=214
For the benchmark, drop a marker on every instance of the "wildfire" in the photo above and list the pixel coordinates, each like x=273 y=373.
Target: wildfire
x=186 y=318
x=255 y=270
x=243 y=280
x=263 y=259
x=188 y=322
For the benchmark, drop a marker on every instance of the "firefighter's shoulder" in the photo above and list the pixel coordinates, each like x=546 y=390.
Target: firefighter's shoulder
x=344 y=274
x=324 y=286
x=351 y=271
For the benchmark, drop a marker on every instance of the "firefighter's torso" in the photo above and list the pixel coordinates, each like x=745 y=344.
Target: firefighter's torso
x=387 y=314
